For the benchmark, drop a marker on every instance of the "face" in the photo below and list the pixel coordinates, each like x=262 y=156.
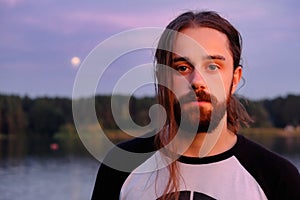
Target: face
x=204 y=78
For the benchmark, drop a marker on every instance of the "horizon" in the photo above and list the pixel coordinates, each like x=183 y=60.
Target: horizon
x=134 y=96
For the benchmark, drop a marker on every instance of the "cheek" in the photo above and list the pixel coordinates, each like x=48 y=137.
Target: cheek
x=218 y=86
x=228 y=86
x=180 y=86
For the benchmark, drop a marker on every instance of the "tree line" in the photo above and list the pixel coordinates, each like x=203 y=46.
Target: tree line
x=45 y=116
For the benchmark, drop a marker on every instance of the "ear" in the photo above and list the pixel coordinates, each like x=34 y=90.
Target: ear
x=237 y=75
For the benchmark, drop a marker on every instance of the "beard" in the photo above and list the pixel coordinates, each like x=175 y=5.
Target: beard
x=192 y=118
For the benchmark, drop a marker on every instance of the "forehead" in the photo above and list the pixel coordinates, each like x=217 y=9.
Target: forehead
x=192 y=41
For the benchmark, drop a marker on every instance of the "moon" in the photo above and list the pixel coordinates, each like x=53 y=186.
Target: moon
x=75 y=62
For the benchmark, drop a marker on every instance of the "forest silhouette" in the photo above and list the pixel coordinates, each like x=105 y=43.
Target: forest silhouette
x=45 y=116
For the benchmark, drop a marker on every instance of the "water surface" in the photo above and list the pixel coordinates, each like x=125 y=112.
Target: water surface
x=37 y=172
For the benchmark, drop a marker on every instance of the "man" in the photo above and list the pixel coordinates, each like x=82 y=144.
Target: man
x=198 y=70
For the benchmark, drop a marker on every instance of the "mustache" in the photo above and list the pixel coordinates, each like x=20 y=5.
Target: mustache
x=198 y=96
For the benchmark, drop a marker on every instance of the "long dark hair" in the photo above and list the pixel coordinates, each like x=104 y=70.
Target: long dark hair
x=236 y=114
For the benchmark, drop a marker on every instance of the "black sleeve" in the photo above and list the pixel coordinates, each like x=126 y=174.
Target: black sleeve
x=109 y=181
x=277 y=176
x=288 y=186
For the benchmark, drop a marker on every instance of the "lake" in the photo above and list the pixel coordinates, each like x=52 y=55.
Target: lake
x=47 y=178
x=59 y=175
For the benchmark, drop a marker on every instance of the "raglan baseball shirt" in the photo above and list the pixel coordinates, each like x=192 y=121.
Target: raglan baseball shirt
x=246 y=171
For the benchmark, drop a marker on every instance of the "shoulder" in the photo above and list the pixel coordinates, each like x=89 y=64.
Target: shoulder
x=140 y=144
x=118 y=163
x=277 y=176
x=250 y=151
x=135 y=150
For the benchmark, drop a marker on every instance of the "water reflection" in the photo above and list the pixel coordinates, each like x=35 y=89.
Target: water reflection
x=281 y=144
x=18 y=148
x=33 y=169
x=49 y=178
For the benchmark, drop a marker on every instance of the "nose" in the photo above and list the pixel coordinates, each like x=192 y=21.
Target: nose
x=197 y=81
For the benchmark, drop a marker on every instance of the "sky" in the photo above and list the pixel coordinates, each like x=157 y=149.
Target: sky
x=44 y=43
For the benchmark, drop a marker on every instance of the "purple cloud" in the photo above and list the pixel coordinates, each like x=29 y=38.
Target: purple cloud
x=39 y=38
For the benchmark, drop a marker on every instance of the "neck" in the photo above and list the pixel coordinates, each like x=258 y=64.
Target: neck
x=218 y=141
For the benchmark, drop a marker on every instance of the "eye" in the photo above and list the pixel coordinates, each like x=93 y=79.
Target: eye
x=212 y=67
x=183 y=69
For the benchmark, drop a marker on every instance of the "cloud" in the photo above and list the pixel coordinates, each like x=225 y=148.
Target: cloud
x=70 y=22
x=11 y=3
x=40 y=32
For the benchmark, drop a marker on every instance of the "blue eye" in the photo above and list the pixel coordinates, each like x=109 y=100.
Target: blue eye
x=212 y=67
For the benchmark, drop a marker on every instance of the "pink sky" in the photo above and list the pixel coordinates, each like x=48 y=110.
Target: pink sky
x=39 y=38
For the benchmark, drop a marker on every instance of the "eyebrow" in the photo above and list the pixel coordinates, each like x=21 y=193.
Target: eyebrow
x=181 y=59
x=209 y=57
x=215 y=57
